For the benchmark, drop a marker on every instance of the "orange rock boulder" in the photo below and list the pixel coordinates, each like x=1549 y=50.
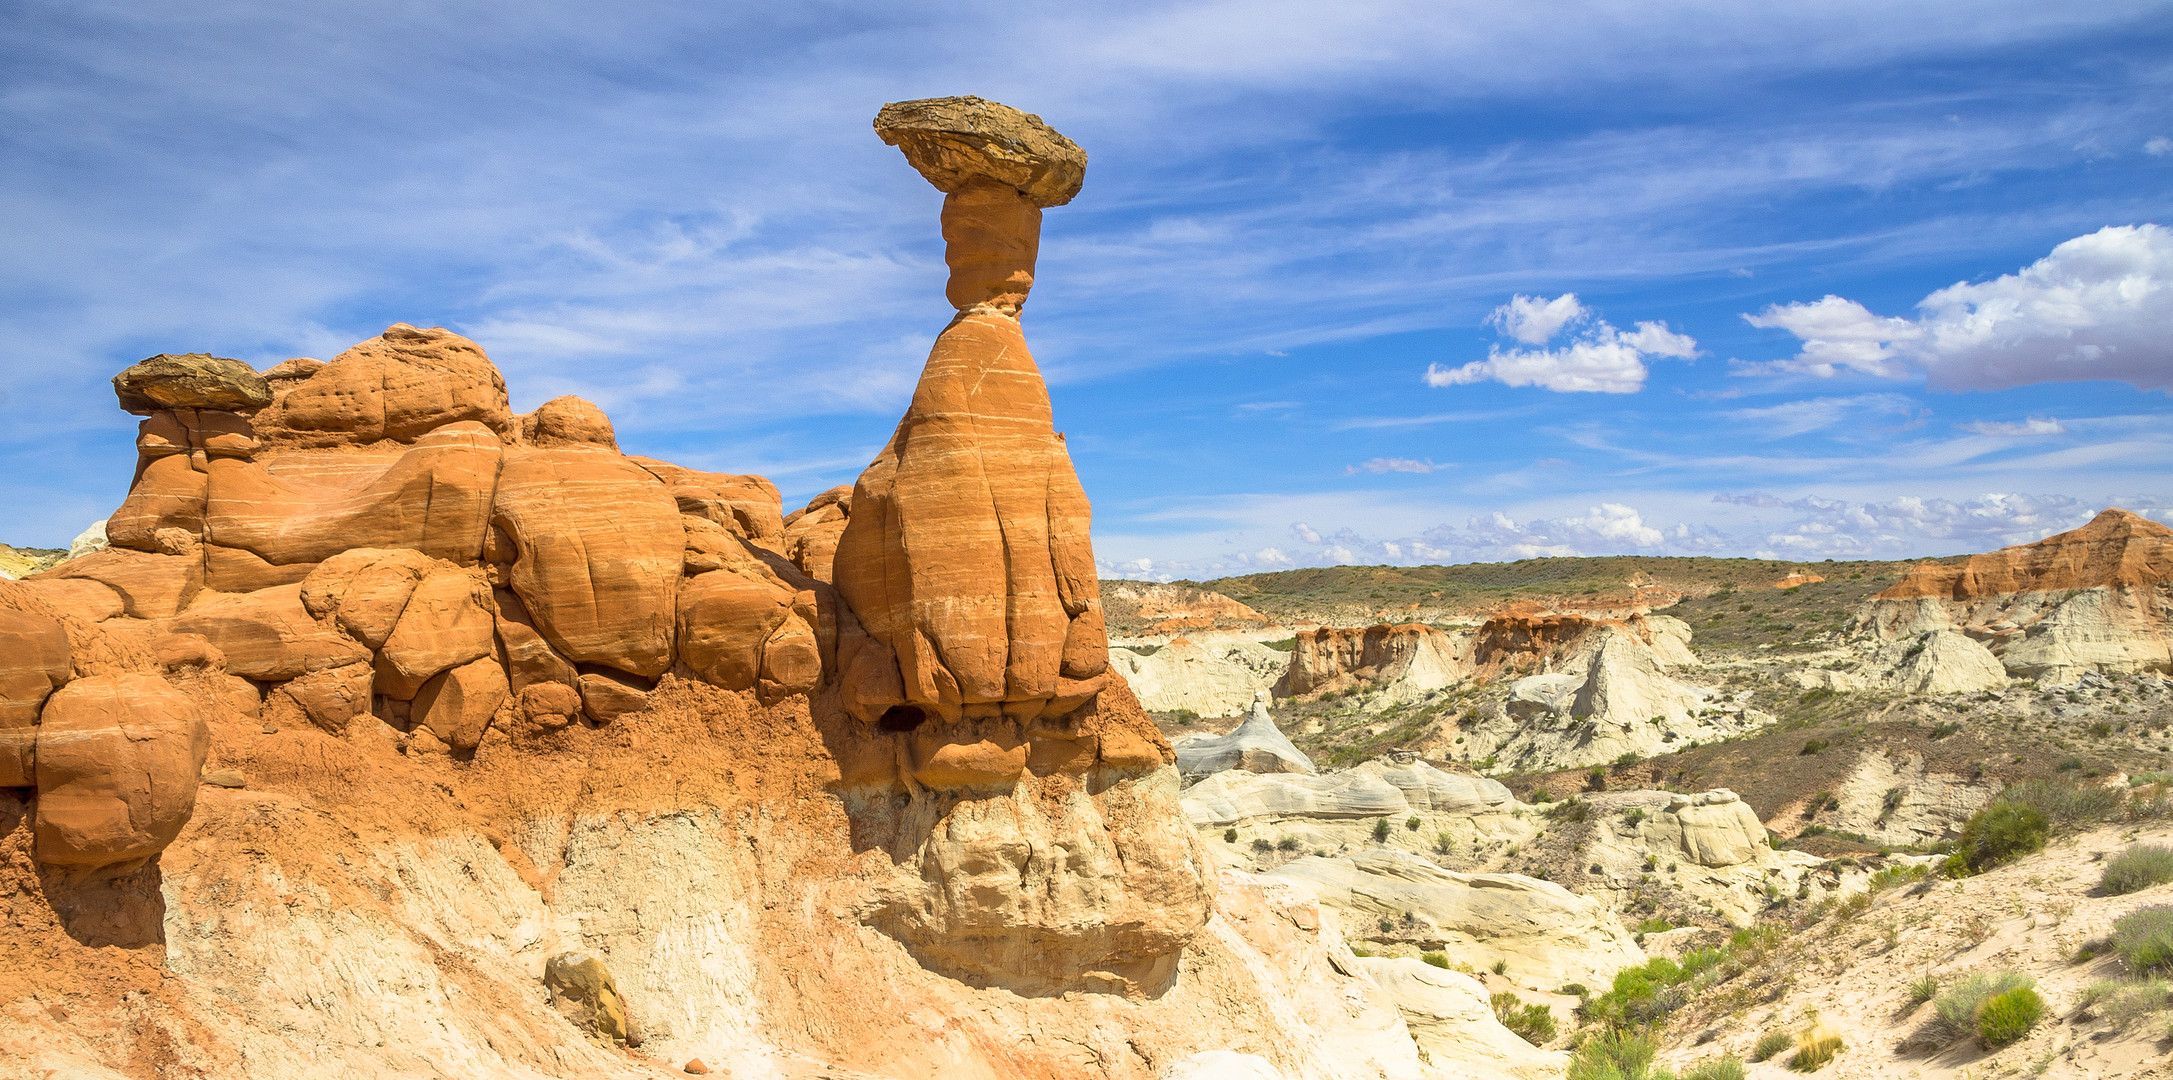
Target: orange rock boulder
x=118 y=764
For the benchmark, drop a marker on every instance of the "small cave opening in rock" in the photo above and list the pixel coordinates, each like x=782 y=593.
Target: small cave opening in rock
x=901 y=718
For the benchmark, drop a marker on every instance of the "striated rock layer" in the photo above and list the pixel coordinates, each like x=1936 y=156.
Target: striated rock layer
x=2092 y=599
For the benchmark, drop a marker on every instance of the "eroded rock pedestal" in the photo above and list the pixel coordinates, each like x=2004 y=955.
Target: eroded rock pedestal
x=963 y=550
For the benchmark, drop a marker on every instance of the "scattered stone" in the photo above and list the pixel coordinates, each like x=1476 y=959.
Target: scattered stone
x=226 y=778
x=583 y=991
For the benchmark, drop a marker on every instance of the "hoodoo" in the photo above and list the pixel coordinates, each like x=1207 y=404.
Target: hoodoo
x=966 y=554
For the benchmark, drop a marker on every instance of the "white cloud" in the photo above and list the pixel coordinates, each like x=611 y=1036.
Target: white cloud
x=2100 y=306
x=1836 y=334
x=1380 y=465
x=2036 y=425
x=1604 y=361
x=2158 y=146
x=1816 y=414
x=1534 y=321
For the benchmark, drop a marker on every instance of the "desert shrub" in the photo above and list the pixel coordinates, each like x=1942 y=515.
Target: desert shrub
x=1532 y=1023
x=1771 y=1043
x=2137 y=868
x=1381 y=830
x=1570 y=810
x=1287 y=843
x=1903 y=874
x=2007 y=1017
x=1501 y=967
x=2066 y=804
x=1574 y=990
x=1596 y=779
x=1633 y=815
x=1945 y=728
x=1412 y=823
x=1439 y=960
x=2001 y=832
x=1698 y=961
x=1955 y=1011
x=1813 y=746
x=1262 y=845
x=2144 y=938
x=1229 y=836
x=1626 y=759
x=1727 y=1067
x=1615 y=1055
x=1757 y=938
x=1540 y=795
x=1444 y=844
x=1923 y=988
x=1815 y=1046
x=2124 y=1003
x=1640 y=995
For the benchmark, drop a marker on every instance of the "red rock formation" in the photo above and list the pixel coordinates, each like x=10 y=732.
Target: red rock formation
x=966 y=554
x=2116 y=549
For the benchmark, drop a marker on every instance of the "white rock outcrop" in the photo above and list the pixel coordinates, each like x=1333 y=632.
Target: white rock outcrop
x=1217 y=675
x=1454 y=1025
x=1257 y=746
x=1612 y=695
x=1222 y=1065
x=1544 y=934
x=1372 y=790
x=1944 y=662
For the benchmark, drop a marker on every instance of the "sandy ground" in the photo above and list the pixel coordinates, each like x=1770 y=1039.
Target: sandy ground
x=1854 y=974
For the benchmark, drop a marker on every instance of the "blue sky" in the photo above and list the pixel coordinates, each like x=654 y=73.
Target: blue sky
x=1281 y=323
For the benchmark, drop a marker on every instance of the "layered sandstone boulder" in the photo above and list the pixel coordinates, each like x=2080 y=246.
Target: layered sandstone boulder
x=34 y=661
x=2097 y=598
x=397 y=386
x=966 y=553
x=379 y=537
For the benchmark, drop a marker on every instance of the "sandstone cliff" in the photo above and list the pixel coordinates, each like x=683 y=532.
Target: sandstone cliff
x=2092 y=599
